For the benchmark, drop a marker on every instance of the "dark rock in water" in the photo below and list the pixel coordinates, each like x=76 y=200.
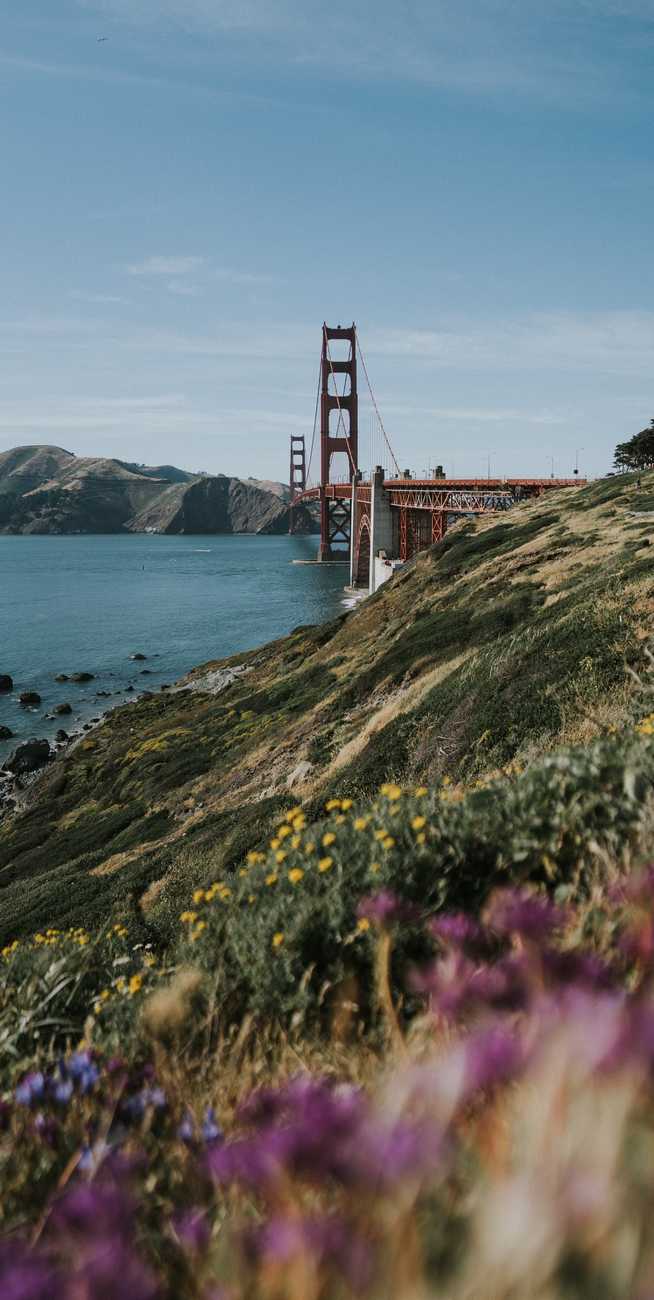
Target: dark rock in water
x=146 y=672
x=61 y=737
x=82 y=677
x=61 y=677
x=165 y=687
x=61 y=709
x=129 y=688
x=6 y=683
x=30 y=697
x=29 y=757
x=6 y=733
x=102 y=695
x=138 y=657
x=87 y=726
x=147 y=695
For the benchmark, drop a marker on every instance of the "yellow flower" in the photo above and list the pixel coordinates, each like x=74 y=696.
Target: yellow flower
x=325 y=864
x=292 y=814
x=284 y=831
x=201 y=925
x=274 y=844
x=225 y=892
x=381 y=835
x=309 y=847
x=360 y=823
x=296 y=842
x=149 y=959
x=363 y=924
x=418 y=823
x=252 y=899
x=188 y=917
x=391 y=791
x=199 y=896
x=278 y=939
x=328 y=839
x=280 y=856
x=447 y=780
x=421 y=791
x=295 y=875
x=135 y=984
x=243 y=873
x=299 y=823
x=332 y=804
x=388 y=843
x=421 y=838
x=272 y=878
x=346 y=804
x=120 y=984
x=253 y=858
x=374 y=866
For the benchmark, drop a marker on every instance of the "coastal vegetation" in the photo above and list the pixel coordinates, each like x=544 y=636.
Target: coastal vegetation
x=330 y=973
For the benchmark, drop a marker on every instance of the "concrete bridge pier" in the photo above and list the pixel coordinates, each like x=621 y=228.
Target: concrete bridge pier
x=374 y=545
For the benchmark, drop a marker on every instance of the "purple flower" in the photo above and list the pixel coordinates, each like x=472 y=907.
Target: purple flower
x=62 y=1091
x=111 y=1270
x=27 y=1275
x=192 y=1230
x=518 y=911
x=186 y=1129
x=385 y=908
x=456 y=930
x=211 y=1131
x=492 y=1057
x=98 y=1209
x=332 y=1242
x=31 y=1089
x=155 y=1097
x=77 y=1064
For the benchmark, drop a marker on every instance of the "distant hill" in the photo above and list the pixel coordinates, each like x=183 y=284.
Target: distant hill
x=49 y=490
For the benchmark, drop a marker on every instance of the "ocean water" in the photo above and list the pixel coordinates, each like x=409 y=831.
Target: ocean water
x=85 y=604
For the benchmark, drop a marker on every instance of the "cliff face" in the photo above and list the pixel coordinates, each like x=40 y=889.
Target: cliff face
x=49 y=490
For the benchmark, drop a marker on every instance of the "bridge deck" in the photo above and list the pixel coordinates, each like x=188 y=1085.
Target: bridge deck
x=531 y=486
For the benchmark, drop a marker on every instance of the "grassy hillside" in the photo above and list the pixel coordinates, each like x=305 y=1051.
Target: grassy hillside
x=511 y=637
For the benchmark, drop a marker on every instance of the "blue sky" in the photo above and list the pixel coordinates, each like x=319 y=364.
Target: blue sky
x=185 y=203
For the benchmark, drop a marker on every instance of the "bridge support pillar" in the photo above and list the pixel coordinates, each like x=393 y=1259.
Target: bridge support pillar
x=382 y=533
x=335 y=525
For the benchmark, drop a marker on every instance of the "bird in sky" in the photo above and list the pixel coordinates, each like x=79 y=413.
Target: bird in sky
x=102 y=38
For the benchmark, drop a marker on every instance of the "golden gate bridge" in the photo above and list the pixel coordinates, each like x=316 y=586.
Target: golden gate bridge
x=379 y=523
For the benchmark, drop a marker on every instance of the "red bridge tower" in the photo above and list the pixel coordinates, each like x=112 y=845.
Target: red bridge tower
x=297 y=475
x=335 y=513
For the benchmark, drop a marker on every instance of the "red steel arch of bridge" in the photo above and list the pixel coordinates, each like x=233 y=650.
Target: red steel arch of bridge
x=378 y=522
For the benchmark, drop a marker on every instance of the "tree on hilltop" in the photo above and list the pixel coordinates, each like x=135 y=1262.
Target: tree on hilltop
x=637 y=452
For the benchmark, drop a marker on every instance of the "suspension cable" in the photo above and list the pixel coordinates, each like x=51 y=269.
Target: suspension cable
x=315 y=421
x=381 y=422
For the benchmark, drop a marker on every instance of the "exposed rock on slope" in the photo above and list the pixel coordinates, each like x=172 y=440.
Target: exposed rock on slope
x=49 y=490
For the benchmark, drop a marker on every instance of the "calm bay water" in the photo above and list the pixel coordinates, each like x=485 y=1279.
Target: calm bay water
x=73 y=604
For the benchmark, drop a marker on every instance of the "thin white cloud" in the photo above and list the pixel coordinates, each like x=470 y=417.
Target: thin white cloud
x=556 y=52
x=166 y=266
x=99 y=299
x=182 y=289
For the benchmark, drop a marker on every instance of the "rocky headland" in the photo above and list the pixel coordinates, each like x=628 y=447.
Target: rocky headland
x=49 y=490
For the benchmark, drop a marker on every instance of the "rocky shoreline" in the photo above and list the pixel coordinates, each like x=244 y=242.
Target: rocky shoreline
x=32 y=757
